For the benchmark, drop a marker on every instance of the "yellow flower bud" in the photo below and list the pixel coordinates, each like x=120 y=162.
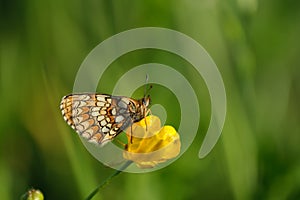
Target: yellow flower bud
x=34 y=194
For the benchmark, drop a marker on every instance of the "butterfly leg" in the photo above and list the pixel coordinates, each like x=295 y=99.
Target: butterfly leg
x=131 y=133
x=147 y=112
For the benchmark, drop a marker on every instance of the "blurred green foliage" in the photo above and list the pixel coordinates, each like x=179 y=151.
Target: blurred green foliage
x=254 y=44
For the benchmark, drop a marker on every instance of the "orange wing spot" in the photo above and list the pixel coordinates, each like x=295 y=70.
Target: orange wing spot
x=83 y=117
x=97 y=138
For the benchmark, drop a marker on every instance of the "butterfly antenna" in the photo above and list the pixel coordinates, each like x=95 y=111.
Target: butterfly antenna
x=146 y=90
x=145 y=93
x=146 y=82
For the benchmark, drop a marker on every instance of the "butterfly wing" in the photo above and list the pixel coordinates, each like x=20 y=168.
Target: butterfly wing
x=97 y=117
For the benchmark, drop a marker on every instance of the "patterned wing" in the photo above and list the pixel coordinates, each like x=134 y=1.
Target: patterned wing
x=97 y=117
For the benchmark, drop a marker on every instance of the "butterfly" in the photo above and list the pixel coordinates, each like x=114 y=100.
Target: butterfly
x=99 y=118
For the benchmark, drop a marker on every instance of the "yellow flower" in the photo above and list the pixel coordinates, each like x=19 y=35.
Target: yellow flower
x=150 y=144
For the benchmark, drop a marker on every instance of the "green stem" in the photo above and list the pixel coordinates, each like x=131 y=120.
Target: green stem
x=94 y=192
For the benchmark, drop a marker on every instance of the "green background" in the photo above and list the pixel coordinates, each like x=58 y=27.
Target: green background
x=255 y=45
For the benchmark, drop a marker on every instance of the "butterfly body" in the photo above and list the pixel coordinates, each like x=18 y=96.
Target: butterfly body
x=100 y=117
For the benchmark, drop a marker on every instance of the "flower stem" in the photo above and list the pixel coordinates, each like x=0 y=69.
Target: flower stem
x=105 y=182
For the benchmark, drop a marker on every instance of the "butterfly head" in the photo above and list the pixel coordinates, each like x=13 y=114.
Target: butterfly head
x=139 y=108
